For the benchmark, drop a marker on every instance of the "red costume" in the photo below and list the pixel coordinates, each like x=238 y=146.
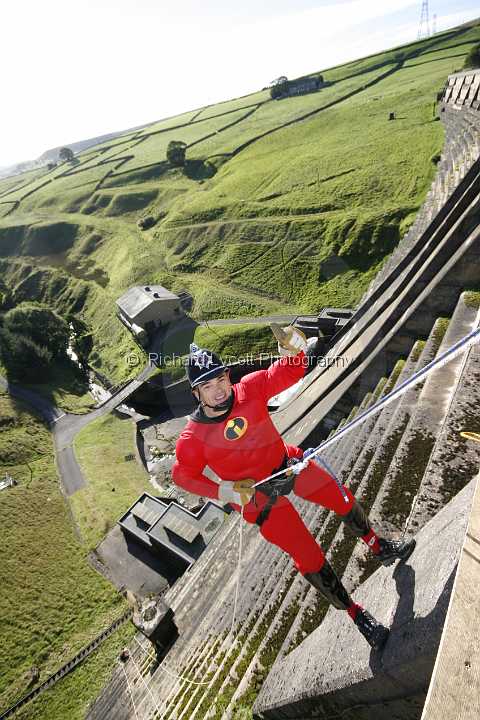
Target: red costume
x=246 y=444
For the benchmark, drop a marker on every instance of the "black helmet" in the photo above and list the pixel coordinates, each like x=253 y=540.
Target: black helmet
x=203 y=365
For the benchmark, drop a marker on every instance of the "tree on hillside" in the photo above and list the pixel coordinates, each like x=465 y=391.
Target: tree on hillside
x=24 y=358
x=473 y=58
x=279 y=87
x=66 y=154
x=41 y=325
x=3 y=294
x=176 y=153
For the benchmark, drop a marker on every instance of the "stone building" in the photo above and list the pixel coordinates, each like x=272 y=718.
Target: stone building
x=143 y=309
x=282 y=87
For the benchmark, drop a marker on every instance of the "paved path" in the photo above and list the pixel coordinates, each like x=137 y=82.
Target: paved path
x=262 y=320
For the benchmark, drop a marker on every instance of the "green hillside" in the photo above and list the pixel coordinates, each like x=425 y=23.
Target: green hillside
x=283 y=205
x=52 y=602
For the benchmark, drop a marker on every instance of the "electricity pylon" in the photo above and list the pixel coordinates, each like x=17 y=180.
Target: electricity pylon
x=424 y=26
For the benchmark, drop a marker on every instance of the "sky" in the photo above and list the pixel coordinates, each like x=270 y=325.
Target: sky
x=75 y=69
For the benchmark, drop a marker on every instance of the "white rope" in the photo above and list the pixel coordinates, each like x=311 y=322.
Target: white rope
x=170 y=672
x=130 y=691
x=237 y=585
x=145 y=683
x=459 y=347
x=239 y=565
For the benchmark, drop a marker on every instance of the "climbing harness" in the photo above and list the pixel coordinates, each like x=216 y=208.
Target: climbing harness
x=280 y=485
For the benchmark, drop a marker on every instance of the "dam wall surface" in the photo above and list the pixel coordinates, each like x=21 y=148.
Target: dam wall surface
x=335 y=672
x=407 y=465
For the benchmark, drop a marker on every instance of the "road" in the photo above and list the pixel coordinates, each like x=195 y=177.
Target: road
x=65 y=426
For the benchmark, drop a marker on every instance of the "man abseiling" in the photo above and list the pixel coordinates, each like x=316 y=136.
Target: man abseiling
x=231 y=431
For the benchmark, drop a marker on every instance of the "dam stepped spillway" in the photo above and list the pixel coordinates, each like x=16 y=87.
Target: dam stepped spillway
x=407 y=463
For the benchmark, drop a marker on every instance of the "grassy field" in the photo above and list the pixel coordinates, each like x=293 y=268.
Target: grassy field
x=52 y=603
x=283 y=206
x=236 y=341
x=113 y=482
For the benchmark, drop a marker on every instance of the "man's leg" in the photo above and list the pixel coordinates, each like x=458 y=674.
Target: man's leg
x=285 y=528
x=318 y=486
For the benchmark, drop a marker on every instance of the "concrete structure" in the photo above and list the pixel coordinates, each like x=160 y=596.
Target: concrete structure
x=463 y=89
x=455 y=687
x=331 y=320
x=155 y=620
x=327 y=323
x=304 y=85
x=334 y=671
x=177 y=534
x=143 y=309
x=282 y=87
x=275 y=610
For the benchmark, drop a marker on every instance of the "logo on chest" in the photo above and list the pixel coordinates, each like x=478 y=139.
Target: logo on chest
x=235 y=428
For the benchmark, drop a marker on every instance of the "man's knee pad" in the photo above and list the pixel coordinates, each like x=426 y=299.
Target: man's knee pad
x=357 y=520
x=329 y=585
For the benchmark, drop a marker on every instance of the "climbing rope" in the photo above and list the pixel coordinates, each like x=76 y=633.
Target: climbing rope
x=239 y=565
x=330 y=471
x=130 y=692
x=430 y=459
x=174 y=674
x=146 y=684
x=471 y=436
x=170 y=672
x=418 y=377
x=459 y=347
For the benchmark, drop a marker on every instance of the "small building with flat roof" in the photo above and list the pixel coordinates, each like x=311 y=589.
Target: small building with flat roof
x=170 y=530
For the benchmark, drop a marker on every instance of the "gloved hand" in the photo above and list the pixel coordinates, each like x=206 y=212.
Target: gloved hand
x=239 y=492
x=290 y=340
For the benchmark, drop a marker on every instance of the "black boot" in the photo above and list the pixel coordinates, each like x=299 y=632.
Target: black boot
x=374 y=633
x=391 y=550
x=327 y=582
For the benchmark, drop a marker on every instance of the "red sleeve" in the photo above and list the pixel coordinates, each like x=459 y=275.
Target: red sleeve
x=281 y=374
x=187 y=471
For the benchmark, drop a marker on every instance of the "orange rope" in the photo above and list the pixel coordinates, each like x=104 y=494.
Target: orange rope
x=471 y=436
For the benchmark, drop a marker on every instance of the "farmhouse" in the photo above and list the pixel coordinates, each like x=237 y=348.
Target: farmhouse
x=282 y=87
x=143 y=309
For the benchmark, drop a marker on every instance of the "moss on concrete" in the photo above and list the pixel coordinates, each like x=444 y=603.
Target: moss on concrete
x=405 y=483
x=395 y=374
x=472 y=299
x=438 y=332
x=417 y=350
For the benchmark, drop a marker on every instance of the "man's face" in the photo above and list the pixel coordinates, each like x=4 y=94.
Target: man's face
x=214 y=391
